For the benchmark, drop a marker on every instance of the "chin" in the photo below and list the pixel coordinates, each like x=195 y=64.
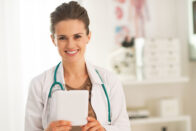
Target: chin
x=72 y=60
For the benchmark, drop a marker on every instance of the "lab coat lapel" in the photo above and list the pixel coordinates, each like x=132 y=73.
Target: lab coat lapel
x=59 y=78
x=60 y=74
x=93 y=74
x=99 y=103
x=98 y=98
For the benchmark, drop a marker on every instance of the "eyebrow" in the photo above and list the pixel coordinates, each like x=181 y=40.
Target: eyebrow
x=72 y=35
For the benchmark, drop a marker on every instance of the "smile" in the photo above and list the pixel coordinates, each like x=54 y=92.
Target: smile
x=72 y=52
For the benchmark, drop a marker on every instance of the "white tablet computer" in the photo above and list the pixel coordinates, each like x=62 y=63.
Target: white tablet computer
x=70 y=105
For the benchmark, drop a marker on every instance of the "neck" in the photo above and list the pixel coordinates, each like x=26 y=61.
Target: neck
x=75 y=69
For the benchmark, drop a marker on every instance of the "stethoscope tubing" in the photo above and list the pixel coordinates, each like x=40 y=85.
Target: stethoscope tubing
x=61 y=86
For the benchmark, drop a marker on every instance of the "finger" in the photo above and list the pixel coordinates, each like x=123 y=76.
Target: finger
x=63 y=128
x=90 y=125
x=83 y=129
x=62 y=123
x=91 y=119
x=94 y=128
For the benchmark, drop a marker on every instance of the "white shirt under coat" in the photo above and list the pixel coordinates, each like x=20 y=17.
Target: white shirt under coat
x=36 y=117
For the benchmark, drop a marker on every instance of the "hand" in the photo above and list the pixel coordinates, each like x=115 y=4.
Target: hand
x=92 y=125
x=59 y=126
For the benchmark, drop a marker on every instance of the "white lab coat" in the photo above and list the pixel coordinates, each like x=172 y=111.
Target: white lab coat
x=37 y=109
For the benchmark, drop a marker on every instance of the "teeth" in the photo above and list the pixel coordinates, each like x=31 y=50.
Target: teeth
x=71 y=52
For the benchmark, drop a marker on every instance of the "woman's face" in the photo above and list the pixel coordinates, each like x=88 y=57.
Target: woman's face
x=71 y=39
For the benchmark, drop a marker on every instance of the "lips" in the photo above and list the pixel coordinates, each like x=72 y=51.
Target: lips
x=71 y=52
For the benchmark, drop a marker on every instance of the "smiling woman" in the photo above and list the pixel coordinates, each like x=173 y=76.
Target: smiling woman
x=106 y=102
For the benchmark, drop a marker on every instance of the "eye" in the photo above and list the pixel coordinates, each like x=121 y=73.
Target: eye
x=62 y=38
x=77 y=36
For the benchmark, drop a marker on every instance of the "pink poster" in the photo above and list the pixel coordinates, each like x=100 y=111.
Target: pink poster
x=129 y=18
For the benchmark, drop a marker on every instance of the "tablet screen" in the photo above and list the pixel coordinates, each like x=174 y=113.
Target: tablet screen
x=70 y=105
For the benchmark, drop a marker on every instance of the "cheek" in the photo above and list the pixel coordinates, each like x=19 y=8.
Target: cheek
x=82 y=43
x=60 y=45
x=85 y=42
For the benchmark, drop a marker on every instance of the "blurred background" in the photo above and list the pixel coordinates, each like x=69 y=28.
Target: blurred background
x=149 y=44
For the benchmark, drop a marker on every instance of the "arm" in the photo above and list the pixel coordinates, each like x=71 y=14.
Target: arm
x=34 y=107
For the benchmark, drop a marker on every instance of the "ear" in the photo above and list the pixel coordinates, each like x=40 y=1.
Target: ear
x=53 y=39
x=89 y=36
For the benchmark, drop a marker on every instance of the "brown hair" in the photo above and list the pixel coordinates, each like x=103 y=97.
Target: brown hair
x=66 y=11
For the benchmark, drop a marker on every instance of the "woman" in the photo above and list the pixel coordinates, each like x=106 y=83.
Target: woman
x=70 y=34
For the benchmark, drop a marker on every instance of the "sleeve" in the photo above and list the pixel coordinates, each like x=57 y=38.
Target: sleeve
x=34 y=107
x=119 y=116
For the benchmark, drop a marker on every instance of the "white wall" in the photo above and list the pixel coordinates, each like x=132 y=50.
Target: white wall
x=3 y=83
x=11 y=91
x=102 y=42
x=163 y=19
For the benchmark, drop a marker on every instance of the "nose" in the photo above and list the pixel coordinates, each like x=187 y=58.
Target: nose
x=70 y=43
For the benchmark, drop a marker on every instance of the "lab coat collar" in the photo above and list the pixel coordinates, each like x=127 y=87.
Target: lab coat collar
x=94 y=77
x=90 y=69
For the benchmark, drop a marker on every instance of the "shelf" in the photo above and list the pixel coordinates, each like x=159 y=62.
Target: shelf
x=154 y=120
x=128 y=82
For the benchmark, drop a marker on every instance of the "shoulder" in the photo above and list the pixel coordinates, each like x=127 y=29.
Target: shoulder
x=38 y=83
x=111 y=81
x=42 y=77
x=108 y=77
x=105 y=72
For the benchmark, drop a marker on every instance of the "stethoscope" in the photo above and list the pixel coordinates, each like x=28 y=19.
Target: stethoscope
x=61 y=86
